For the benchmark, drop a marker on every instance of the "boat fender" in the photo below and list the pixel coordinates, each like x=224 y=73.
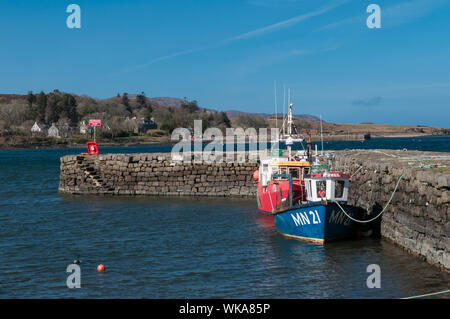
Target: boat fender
x=256 y=175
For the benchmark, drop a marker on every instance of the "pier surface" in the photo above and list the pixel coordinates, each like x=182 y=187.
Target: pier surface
x=416 y=219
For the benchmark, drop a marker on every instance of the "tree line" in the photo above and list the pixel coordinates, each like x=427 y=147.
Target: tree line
x=51 y=107
x=19 y=112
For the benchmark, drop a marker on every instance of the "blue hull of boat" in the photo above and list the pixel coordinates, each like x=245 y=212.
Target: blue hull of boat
x=317 y=222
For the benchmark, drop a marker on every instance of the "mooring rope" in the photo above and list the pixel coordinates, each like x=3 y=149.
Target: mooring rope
x=357 y=170
x=423 y=166
x=385 y=153
x=372 y=219
x=426 y=295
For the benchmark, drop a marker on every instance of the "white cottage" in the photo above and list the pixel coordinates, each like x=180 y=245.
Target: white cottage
x=84 y=128
x=38 y=129
x=53 y=131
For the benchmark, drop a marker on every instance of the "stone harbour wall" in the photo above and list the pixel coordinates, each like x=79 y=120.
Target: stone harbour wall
x=153 y=174
x=417 y=218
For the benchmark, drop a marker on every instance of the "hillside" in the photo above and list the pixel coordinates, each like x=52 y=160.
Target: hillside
x=167 y=101
x=133 y=117
x=303 y=117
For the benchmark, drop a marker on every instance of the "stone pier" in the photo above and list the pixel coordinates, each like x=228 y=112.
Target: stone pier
x=154 y=174
x=417 y=218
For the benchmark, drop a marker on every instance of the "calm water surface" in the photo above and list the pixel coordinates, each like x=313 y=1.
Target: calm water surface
x=180 y=247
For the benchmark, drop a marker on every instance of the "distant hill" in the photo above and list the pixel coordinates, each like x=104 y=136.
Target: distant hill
x=167 y=101
x=14 y=114
x=177 y=102
x=162 y=101
x=303 y=117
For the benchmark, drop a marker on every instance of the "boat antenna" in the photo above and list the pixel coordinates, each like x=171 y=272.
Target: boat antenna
x=321 y=132
x=290 y=115
x=284 y=104
x=309 y=152
x=289 y=123
x=276 y=106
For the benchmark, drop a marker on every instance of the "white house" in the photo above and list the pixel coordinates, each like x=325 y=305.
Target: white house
x=53 y=131
x=38 y=129
x=84 y=128
x=60 y=130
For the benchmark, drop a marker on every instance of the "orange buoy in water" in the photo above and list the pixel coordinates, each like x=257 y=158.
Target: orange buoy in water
x=101 y=268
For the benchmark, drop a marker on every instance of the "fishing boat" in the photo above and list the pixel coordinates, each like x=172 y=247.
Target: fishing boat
x=308 y=201
x=272 y=191
x=325 y=216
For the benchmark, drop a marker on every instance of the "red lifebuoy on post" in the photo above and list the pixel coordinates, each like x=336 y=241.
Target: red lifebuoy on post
x=92 y=148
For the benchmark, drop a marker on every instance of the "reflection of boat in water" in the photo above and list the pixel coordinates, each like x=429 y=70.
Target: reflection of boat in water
x=304 y=197
x=265 y=221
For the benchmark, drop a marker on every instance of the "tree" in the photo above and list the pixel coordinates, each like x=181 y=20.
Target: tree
x=148 y=112
x=12 y=115
x=53 y=110
x=31 y=98
x=70 y=107
x=191 y=107
x=126 y=102
x=141 y=100
x=224 y=119
x=41 y=102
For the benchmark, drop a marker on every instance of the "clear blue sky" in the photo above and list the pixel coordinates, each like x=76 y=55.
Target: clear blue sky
x=227 y=54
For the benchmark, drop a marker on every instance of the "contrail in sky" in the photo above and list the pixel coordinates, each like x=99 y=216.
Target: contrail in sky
x=258 y=32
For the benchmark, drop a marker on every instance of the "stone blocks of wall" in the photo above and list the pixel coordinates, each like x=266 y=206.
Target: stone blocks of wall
x=417 y=218
x=154 y=174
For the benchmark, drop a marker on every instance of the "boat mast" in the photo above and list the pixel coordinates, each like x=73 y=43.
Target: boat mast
x=289 y=140
x=276 y=107
x=321 y=132
x=290 y=115
x=284 y=108
x=287 y=128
